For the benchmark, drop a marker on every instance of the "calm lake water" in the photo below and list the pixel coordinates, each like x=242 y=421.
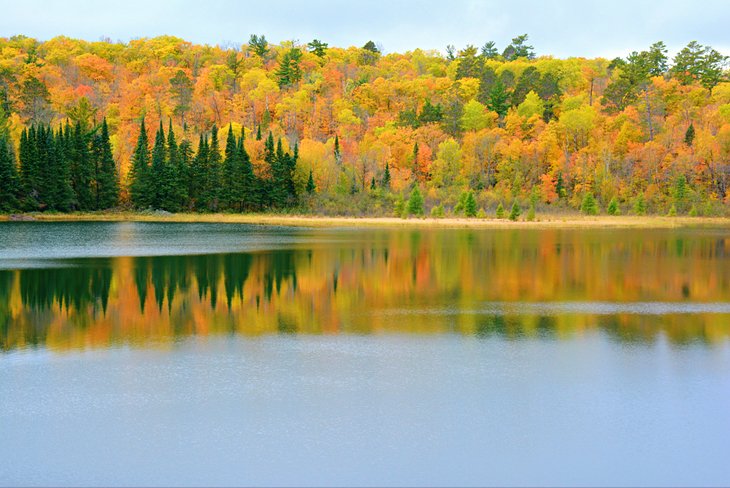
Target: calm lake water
x=205 y=354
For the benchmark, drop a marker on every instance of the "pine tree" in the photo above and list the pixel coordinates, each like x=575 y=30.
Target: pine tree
x=589 y=205
x=640 y=205
x=213 y=173
x=689 y=136
x=63 y=195
x=107 y=181
x=81 y=169
x=198 y=170
x=139 y=173
x=386 y=177
x=416 y=169
x=338 y=154
x=681 y=193
x=176 y=189
x=230 y=188
x=310 y=183
x=185 y=157
x=249 y=185
x=9 y=181
x=470 y=205
x=500 y=211
x=515 y=212
x=612 y=207
x=159 y=188
x=415 y=203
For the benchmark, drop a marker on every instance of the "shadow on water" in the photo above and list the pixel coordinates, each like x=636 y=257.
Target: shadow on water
x=381 y=282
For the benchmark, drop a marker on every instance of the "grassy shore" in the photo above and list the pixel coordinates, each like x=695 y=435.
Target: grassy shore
x=542 y=221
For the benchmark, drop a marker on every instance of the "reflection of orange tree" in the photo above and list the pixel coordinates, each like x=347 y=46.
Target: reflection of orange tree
x=386 y=282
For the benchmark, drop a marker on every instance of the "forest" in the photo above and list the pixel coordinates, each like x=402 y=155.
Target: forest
x=314 y=129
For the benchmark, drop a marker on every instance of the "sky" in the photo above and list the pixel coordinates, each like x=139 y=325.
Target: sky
x=560 y=28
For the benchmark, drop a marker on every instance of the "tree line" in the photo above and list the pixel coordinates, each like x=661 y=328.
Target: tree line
x=72 y=169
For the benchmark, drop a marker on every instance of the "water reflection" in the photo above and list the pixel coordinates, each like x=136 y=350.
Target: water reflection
x=634 y=286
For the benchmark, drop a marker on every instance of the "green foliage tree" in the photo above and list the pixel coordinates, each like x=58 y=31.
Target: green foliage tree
x=139 y=174
x=311 y=187
x=470 y=204
x=259 y=45
x=613 y=207
x=9 y=181
x=589 y=206
x=519 y=48
x=689 y=135
x=500 y=211
x=107 y=179
x=415 y=203
x=640 y=205
x=515 y=212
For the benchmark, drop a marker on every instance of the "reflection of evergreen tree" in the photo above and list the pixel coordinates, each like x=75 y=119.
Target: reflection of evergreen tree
x=236 y=269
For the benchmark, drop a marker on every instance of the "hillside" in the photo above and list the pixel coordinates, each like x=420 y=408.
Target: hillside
x=360 y=129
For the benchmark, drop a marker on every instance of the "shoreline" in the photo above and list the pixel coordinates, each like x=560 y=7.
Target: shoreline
x=543 y=221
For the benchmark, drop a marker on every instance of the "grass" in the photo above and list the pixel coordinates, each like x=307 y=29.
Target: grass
x=542 y=220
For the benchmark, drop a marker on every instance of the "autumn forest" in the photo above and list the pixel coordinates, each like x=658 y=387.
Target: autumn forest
x=163 y=124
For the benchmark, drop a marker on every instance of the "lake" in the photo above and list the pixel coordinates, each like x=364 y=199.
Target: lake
x=227 y=354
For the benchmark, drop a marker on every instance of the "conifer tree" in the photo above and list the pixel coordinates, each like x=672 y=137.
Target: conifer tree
x=515 y=212
x=310 y=183
x=250 y=194
x=213 y=173
x=159 y=187
x=139 y=173
x=63 y=195
x=9 y=181
x=470 y=205
x=589 y=205
x=230 y=185
x=415 y=203
x=500 y=211
x=81 y=169
x=612 y=207
x=386 y=177
x=107 y=181
x=689 y=135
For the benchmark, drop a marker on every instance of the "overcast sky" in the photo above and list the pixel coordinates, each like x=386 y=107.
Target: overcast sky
x=566 y=28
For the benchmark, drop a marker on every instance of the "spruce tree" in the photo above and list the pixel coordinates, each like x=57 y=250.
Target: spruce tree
x=107 y=180
x=310 y=183
x=515 y=212
x=338 y=154
x=386 y=177
x=159 y=188
x=184 y=152
x=139 y=173
x=640 y=205
x=81 y=169
x=249 y=196
x=9 y=181
x=589 y=205
x=689 y=136
x=213 y=173
x=63 y=195
x=230 y=186
x=612 y=207
x=415 y=203
x=500 y=211
x=470 y=205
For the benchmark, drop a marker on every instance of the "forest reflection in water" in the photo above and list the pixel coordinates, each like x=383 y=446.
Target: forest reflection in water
x=634 y=286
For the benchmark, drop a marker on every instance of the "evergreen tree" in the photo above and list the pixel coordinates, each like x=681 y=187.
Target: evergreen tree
x=185 y=152
x=310 y=183
x=231 y=193
x=198 y=171
x=640 y=205
x=63 y=195
x=9 y=181
x=386 y=177
x=612 y=207
x=81 y=169
x=498 y=99
x=589 y=205
x=250 y=193
x=515 y=212
x=107 y=180
x=470 y=205
x=258 y=133
x=689 y=135
x=139 y=174
x=159 y=188
x=415 y=203
x=213 y=173
x=338 y=154
x=500 y=211
x=681 y=193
